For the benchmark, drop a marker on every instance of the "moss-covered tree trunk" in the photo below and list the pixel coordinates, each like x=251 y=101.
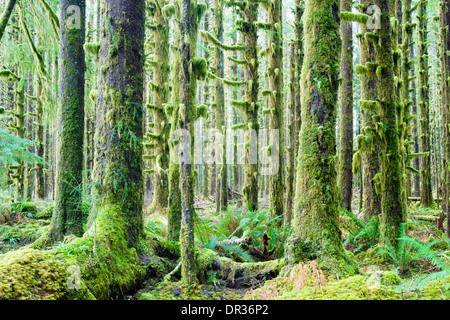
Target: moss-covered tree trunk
x=221 y=168
x=187 y=115
x=415 y=127
x=405 y=96
x=276 y=109
x=250 y=104
x=174 y=200
x=207 y=102
x=19 y=115
x=299 y=56
x=160 y=90
x=393 y=212
x=290 y=159
x=4 y=19
x=445 y=83
x=39 y=175
x=345 y=174
x=316 y=231
x=67 y=215
x=117 y=173
x=370 y=148
x=426 y=196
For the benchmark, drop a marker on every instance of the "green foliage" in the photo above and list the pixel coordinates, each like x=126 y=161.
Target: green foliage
x=14 y=150
x=213 y=244
x=410 y=249
x=361 y=235
x=243 y=224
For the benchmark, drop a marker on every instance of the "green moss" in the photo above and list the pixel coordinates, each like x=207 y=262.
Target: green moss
x=307 y=281
x=179 y=291
x=28 y=274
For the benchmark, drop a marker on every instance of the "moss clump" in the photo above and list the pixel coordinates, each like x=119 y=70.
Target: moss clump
x=167 y=290
x=21 y=234
x=28 y=274
x=372 y=258
x=44 y=214
x=25 y=207
x=307 y=281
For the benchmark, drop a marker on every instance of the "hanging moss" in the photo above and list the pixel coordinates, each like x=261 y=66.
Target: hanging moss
x=316 y=226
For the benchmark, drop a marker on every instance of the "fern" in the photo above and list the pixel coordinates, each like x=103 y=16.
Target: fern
x=213 y=244
x=14 y=149
x=410 y=249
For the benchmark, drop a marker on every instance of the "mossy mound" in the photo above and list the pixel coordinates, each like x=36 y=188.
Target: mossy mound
x=18 y=235
x=24 y=207
x=44 y=214
x=28 y=274
x=306 y=281
x=108 y=268
x=167 y=290
x=371 y=257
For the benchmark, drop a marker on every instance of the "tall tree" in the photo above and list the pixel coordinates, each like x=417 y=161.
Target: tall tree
x=393 y=212
x=345 y=173
x=445 y=82
x=4 y=19
x=276 y=110
x=316 y=218
x=426 y=196
x=67 y=216
x=367 y=143
x=250 y=105
x=174 y=201
x=158 y=138
x=117 y=174
x=221 y=168
x=191 y=68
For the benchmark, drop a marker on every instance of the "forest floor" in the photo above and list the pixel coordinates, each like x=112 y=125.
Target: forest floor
x=418 y=270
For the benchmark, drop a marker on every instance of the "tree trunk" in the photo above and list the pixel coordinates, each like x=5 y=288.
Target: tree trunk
x=393 y=212
x=426 y=196
x=174 y=209
x=67 y=215
x=160 y=90
x=276 y=119
x=316 y=217
x=6 y=15
x=371 y=154
x=221 y=168
x=345 y=173
x=188 y=88
x=445 y=83
x=117 y=174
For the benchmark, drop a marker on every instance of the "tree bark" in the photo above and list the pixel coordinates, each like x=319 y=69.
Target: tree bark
x=316 y=230
x=67 y=215
x=346 y=112
x=117 y=174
